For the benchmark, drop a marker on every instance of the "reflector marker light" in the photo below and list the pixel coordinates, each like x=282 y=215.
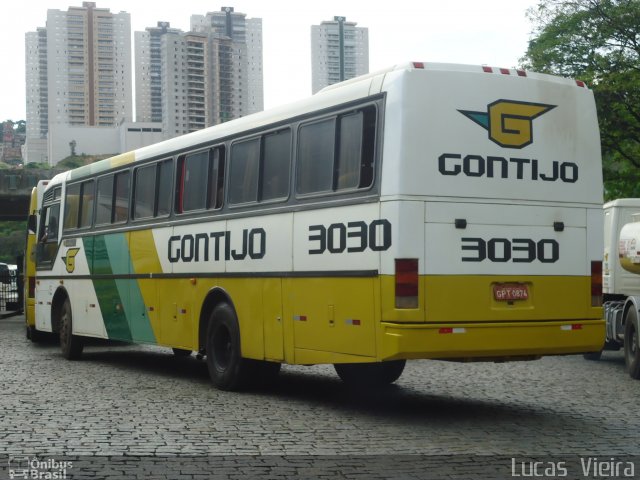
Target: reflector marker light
x=446 y=330
x=350 y=321
x=300 y=318
x=505 y=71
x=487 y=69
x=418 y=64
x=521 y=73
x=568 y=328
x=580 y=83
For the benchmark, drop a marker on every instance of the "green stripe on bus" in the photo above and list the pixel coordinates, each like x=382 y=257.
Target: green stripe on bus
x=121 y=303
x=109 y=298
x=134 y=307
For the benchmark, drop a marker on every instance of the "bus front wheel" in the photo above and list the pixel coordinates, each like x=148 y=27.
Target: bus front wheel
x=70 y=344
x=227 y=369
x=370 y=374
x=632 y=344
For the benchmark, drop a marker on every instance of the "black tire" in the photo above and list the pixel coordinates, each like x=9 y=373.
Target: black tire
x=593 y=356
x=70 y=344
x=227 y=369
x=632 y=344
x=368 y=375
x=181 y=352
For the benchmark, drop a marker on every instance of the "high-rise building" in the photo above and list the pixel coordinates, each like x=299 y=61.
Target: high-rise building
x=207 y=76
x=84 y=56
x=339 y=51
x=148 y=52
x=239 y=59
x=37 y=96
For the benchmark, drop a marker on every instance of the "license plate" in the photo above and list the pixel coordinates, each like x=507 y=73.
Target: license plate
x=508 y=292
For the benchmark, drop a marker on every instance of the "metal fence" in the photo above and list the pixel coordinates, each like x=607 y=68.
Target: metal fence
x=11 y=292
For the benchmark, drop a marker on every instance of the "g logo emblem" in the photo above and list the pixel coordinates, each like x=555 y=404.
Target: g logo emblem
x=509 y=122
x=70 y=259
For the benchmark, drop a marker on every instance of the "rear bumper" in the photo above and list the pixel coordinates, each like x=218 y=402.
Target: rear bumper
x=490 y=341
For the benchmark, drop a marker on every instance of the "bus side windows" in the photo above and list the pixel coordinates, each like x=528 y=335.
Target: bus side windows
x=113 y=199
x=276 y=165
x=79 y=201
x=201 y=180
x=216 y=179
x=260 y=168
x=144 y=193
x=48 y=232
x=316 y=150
x=193 y=170
x=152 y=190
x=121 y=197
x=243 y=178
x=337 y=154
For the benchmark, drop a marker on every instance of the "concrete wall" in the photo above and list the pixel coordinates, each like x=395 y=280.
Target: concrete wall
x=101 y=140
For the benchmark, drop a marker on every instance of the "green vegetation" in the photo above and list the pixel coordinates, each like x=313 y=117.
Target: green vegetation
x=75 y=161
x=12 y=240
x=598 y=41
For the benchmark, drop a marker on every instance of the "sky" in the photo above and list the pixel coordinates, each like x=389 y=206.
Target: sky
x=488 y=32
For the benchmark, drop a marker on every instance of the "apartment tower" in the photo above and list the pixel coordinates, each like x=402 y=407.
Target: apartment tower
x=339 y=51
x=84 y=56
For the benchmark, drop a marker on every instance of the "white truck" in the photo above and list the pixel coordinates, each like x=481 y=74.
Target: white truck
x=621 y=281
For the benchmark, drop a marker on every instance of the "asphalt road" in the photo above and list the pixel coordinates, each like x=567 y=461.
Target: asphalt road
x=139 y=412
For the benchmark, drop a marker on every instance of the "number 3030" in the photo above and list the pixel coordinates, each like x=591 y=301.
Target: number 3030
x=517 y=250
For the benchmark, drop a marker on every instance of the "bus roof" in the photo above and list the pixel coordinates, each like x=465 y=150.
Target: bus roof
x=343 y=92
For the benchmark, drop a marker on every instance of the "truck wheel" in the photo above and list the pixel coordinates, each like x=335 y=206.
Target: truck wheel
x=368 y=375
x=70 y=344
x=227 y=369
x=632 y=345
x=181 y=352
x=593 y=356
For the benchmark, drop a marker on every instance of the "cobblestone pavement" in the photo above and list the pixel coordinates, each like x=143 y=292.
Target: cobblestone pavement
x=125 y=402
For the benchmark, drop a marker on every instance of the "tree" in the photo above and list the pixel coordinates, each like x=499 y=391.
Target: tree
x=598 y=41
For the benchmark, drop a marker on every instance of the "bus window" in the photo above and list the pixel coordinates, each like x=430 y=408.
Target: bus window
x=276 y=165
x=72 y=207
x=350 y=153
x=337 y=153
x=243 y=179
x=79 y=205
x=165 y=188
x=48 y=242
x=104 y=200
x=121 y=197
x=216 y=180
x=316 y=143
x=145 y=192
x=194 y=181
x=86 y=205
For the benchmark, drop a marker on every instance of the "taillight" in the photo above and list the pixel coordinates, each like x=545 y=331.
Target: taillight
x=406 y=283
x=596 y=284
x=32 y=287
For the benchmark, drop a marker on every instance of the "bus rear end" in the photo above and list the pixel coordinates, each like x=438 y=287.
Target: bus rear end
x=492 y=180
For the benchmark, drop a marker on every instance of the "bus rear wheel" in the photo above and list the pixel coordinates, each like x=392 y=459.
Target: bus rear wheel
x=227 y=369
x=632 y=344
x=70 y=344
x=367 y=375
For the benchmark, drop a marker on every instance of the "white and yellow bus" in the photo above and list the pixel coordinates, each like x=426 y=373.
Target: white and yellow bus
x=425 y=211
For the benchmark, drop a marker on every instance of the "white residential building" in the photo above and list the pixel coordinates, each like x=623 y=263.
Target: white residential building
x=84 y=56
x=339 y=51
